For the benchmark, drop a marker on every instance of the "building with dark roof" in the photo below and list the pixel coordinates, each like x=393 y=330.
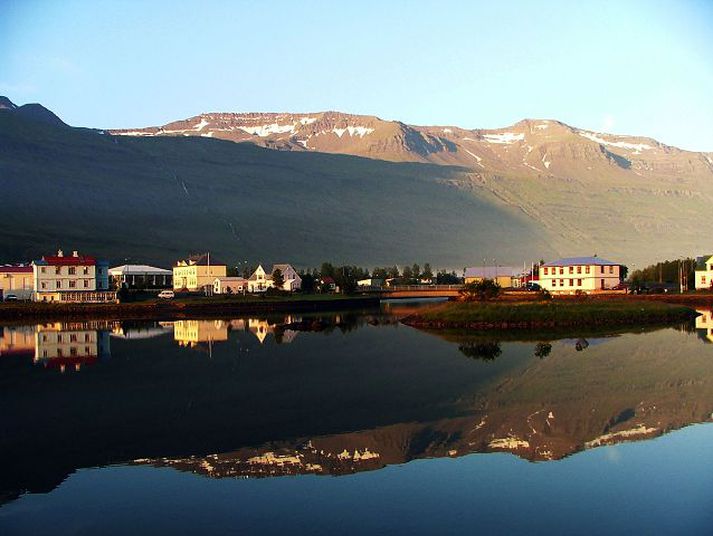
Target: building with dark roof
x=585 y=274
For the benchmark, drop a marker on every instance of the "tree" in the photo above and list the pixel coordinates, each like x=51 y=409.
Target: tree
x=379 y=273
x=394 y=271
x=308 y=282
x=327 y=270
x=486 y=351
x=278 y=279
x=427 y=272
x=415 y=271
x=483 y=290
x=407 y=274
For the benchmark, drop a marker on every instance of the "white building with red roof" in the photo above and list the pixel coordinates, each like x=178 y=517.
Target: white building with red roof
x=71 y=278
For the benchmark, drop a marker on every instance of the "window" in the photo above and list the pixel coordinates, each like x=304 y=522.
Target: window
x=85 y=270
x=561 y=271
x=561 y=282
x=44 y=285
x=545 y=271
x=579 y=282
x=571 y=269
x=703 y=279
x=571 y=282
x=554 y=282
x=72 y=270
x=43 y=270
x=72 y=283
x=611 y=269
x=586 y=269
x=72 y=337
x=86 y=284
x=57 y=270
x=579 y=269
x=59 y=284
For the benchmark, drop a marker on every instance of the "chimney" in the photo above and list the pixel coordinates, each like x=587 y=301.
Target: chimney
x=75 y=253
x=60 y=253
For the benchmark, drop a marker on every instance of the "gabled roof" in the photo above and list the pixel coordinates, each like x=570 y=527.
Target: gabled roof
x=490 y=272
x=701 y=262
x=282 y=267
x=67 y=260
x=201 y=259
x=582 y=261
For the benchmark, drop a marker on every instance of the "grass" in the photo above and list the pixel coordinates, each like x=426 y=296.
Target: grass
x=548 y=313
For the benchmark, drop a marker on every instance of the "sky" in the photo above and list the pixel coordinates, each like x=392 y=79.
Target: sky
x=627 y=67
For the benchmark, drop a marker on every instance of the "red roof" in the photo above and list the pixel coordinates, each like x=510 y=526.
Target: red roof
x=16 y=269
x=82 y=260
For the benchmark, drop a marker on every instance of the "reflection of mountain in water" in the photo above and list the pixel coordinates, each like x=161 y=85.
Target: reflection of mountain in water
x=289 y=409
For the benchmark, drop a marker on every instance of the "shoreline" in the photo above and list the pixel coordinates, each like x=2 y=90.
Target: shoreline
x=172 y=310
x=554 y=314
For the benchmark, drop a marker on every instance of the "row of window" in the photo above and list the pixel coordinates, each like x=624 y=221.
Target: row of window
x=562 y=282
x=571 y=269
x=71 y=284
x=71 y=270
x=73 y=352
x=73 y=337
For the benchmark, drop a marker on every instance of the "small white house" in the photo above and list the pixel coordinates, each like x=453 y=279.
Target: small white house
x=261 y=280
x=704 y=272
x=372 y=282
x=230 y=285
x=586 y=274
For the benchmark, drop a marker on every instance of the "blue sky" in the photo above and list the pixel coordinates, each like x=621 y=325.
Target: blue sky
x=630 y=67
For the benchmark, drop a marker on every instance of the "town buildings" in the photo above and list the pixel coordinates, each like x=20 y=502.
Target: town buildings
x=704 y=272
x=16 y=280
x=587 y=274
x=197 y=272
x=505 y=276
x=71 y=278
x=230 y=285
x=261 y=280
x=141 y=276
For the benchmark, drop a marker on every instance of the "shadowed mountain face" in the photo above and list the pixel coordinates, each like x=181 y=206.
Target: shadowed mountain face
x=536 y=189
x=231 y=398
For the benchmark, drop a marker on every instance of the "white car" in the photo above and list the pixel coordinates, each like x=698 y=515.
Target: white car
x=166 y=295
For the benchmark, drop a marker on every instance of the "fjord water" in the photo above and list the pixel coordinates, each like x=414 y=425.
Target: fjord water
x=352 y=422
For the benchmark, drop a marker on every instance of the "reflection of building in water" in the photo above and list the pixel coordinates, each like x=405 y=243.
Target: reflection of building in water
x=59 y=345
x=192 y=332
x=142 y=331
x=704 y=324
x=17 y=341
x=261 y=328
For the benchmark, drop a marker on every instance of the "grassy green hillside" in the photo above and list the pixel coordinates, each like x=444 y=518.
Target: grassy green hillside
x=156 y=199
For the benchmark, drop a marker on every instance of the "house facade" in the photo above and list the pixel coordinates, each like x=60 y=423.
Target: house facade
x=197 y=272
x=17 y=280
x=230 y=285
x=704 y=272
x=587 y=274
x=71 y=278
x=505 y=276
x=261 y=280
x=141 y=276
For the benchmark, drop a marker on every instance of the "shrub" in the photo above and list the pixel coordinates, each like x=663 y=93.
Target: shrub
x=483 y=290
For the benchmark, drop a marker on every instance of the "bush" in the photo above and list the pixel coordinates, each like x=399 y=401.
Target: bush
x=483 y=290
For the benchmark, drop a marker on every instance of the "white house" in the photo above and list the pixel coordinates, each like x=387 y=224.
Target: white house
x=588 y=274
x=141 y=275
x=261 y=280
x=230 y=285
x=704 y=272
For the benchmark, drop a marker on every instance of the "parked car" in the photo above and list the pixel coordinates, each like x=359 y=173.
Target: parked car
x=532 y=286
x=621 y=286
x=166 y=295
x=11 y=297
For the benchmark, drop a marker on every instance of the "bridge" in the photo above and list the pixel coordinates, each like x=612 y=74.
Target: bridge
x=415 y=291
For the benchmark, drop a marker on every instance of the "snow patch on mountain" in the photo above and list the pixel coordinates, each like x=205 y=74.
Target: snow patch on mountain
x=504 y=138
x=308 y=120
x=637 y=147
x=200 y=126
x=477 y=158
x=265 y=130
x=353 y=131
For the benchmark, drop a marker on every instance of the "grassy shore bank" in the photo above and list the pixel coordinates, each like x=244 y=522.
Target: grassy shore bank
x=184 y=308
x=546 y=314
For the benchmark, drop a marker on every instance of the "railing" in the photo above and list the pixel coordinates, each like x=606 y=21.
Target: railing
x=424 y=288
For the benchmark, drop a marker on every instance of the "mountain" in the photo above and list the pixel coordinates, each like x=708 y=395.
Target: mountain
x=387 y=193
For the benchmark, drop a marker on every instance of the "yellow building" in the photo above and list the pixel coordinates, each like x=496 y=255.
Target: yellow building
x=196 y=273
x=193 y=332
x=16 y=280
x=505 y=276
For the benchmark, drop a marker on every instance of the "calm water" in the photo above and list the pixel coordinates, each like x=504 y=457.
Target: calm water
x=352 y=423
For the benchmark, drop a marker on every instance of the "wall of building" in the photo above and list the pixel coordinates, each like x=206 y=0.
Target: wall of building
x=587 y=278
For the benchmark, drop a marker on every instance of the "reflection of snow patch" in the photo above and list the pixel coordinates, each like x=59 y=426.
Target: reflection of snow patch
x=640 y=430
x=509 y=443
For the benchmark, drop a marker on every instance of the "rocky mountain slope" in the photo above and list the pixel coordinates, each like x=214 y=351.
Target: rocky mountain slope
x=452 y=196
